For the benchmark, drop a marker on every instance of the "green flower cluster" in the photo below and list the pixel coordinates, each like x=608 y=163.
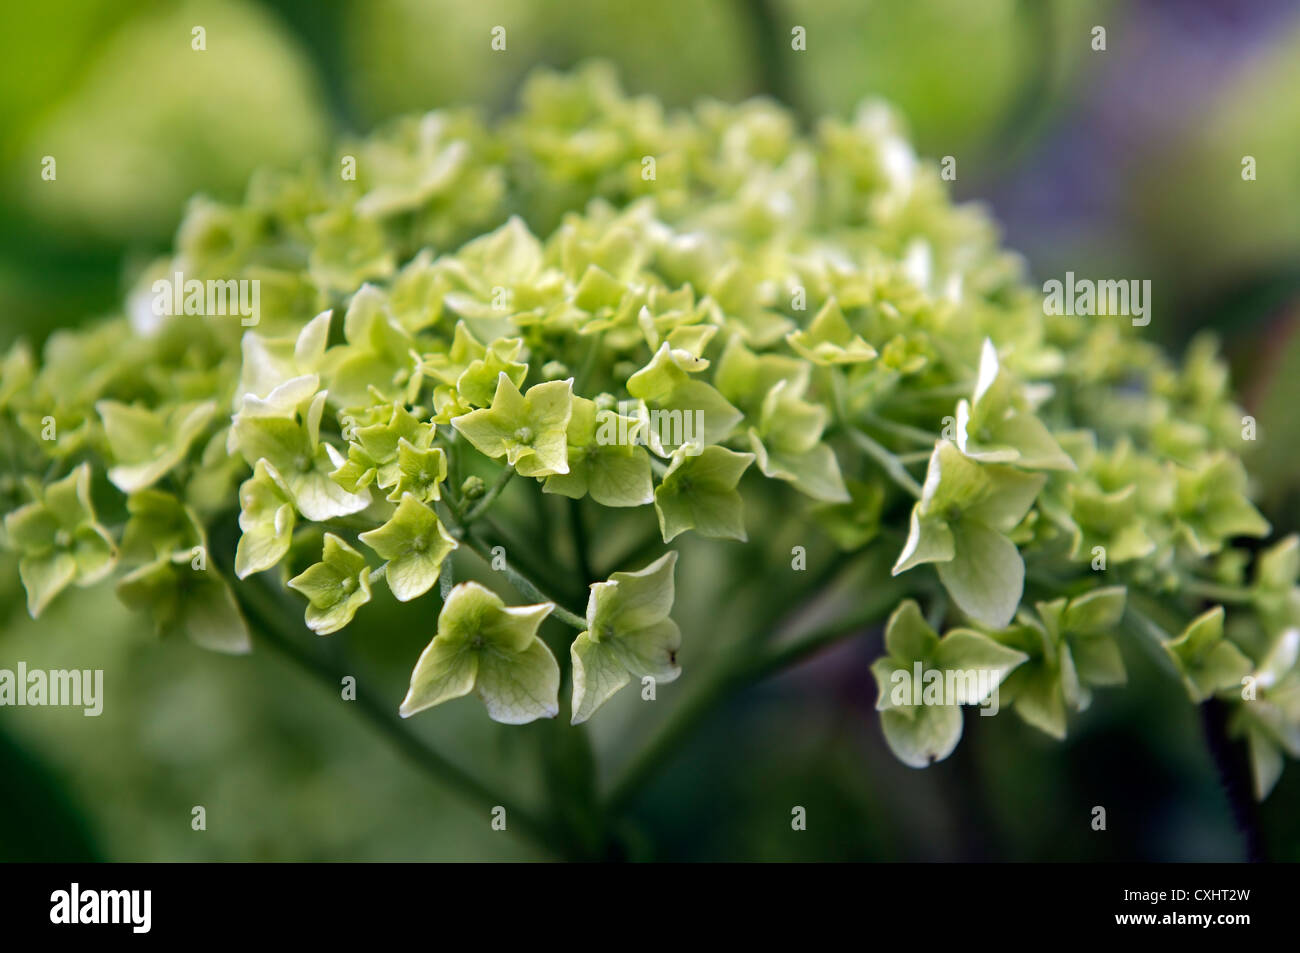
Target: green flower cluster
x=656 y=312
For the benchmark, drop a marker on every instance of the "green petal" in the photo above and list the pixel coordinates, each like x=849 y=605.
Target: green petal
x=1266 y=762
x=651 y=651
x=815 y=473
x=267 y=519
x=965 y=650
x=986 y=575
x=698 y=492
x=1009 y=495
x=908 y=637
x=830 y=340
x=597 y=674
x=32 y=527
x=928 y=541
x=336 y=587
x=1040 y=702
x=922 y=735
x=619 y=476
x=474 y=614
x=415 y=544
x=446 y=670
x=211 y=617
x=1097 y=659
x=148 y=444
x=1096 y=612
x=319 y=499
x=44 y=577
x=952 y=481
x=519 y=687
x=1209 y=662
x=630 y=601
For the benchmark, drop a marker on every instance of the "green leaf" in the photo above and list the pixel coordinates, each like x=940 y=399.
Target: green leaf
x=414 y=543
x=699 y=492
x=484 y=645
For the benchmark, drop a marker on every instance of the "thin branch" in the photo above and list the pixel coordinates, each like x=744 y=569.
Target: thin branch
x=915 y=434
x=522 y=583
x=1233 y=766
x=266 y=619
x=752 y=668
x=888 y=462
x=489 y=497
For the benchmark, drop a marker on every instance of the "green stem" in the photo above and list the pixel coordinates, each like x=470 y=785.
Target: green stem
x=920 y=456
x=265 y=618
x=489 y=497
x=752 y=668
x=1232 y=595
x=914 y=434
x=522 y=583
x=888 y=462
x=579 y=532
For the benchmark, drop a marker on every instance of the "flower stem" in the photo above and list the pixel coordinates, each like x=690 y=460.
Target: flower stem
x=489 y=497
x=918 y=436
x=579 y=531
x=264 y=617
x=1232 y=595
x=888 y=462
x=525 y=586
x=751 y=668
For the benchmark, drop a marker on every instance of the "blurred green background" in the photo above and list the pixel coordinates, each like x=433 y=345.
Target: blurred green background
x=1124 y=162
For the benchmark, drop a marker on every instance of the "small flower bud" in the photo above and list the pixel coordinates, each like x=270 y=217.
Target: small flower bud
x=473 y=488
